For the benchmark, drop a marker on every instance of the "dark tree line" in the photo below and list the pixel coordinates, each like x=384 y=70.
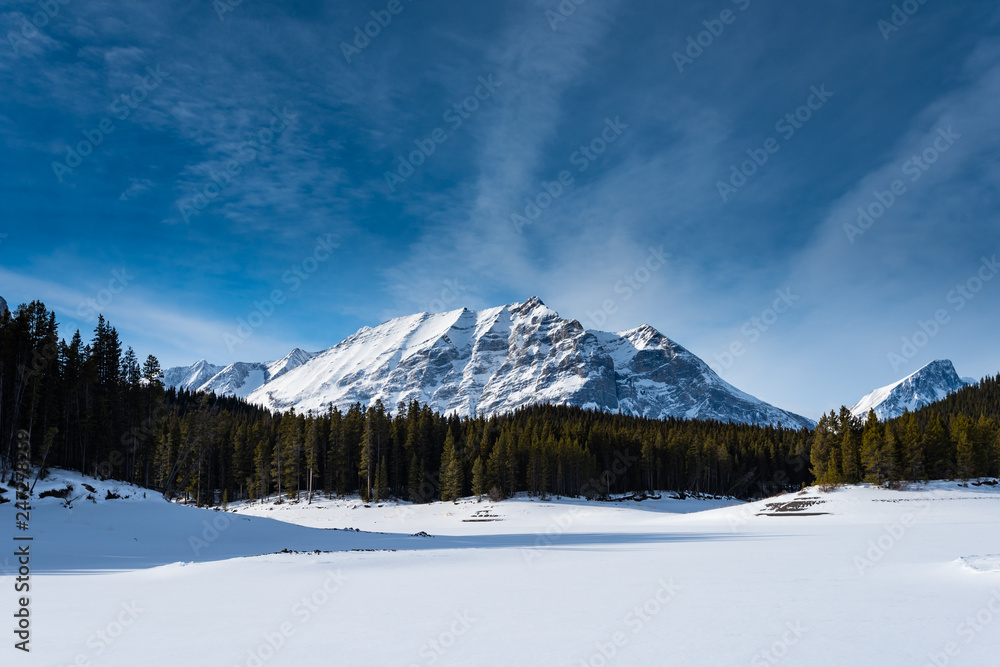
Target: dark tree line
x=92 y=407
x=419 y=454
x=86 y=406
x=955 y=438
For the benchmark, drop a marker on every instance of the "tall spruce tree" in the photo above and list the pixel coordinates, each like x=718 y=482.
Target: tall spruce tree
x=876 y=457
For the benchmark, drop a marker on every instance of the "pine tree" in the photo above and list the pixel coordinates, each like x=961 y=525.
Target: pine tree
x=479 y=487
x=314 y=450
x=850 y=448
x=913 y=448
x=986 y=432
x=876 y=458
x=496 y=465
x=451 y=470
x=382 y=481
x=512 y=467
x=289 y=452
x=151 y=371
x=937 y=448
x=823 y=454
x=964 y=437
x=415 y=480
x=261 y=461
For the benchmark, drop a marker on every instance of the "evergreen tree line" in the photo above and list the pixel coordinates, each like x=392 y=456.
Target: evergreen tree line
x=415 y=453
x=955 y=438
x=87 y=407
x=92 y=407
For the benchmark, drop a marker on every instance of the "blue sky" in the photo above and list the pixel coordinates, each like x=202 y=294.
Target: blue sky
x=183 y=166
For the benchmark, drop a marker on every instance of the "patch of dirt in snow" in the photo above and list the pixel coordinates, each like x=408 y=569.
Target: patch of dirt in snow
x=795 y=507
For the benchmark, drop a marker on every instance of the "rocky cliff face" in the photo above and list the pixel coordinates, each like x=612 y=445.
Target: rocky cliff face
x=503 y=358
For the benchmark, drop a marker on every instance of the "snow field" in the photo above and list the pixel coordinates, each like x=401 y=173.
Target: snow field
x=857 y=576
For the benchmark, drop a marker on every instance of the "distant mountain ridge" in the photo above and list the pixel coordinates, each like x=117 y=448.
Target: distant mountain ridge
x=494 y=361
x=237 y=379
x=928 y=385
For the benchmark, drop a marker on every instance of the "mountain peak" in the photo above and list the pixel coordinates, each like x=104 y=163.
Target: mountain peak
x=644 y=330
x=926 y=385
x=938 y=365
x=531 y=304
x=498 y=360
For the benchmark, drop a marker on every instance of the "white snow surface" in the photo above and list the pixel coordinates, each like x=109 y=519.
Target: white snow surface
x=931 y=383
x=500 y=359
x=857 y=576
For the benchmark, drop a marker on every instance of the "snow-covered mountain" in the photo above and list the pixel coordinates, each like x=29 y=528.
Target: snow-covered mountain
x=929 y=384
x=497 y=360
x=238 y=379
x=190 y=377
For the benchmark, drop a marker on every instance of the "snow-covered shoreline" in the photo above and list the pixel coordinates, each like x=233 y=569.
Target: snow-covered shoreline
x=855 y=576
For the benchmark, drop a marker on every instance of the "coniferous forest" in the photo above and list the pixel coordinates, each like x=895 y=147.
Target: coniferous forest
x=94 y=407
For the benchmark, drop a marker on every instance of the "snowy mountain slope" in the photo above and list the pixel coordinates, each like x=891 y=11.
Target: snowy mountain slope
x=237 y=379
x=190 y=377
x=503 y=358
x=929 y=384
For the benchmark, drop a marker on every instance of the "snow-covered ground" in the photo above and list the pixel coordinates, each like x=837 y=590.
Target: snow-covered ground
x=857 y=576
